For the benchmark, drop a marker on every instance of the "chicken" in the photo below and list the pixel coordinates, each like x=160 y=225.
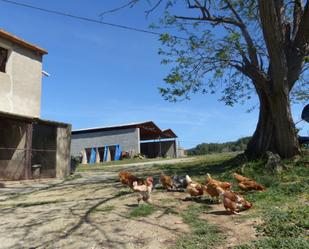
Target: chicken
x=247 y=184
x=194 y=188
x=166 y=181
x=251 y=185
x=144 y=190
x=211 y=189
x=212 y=185
x=127 y=178
x=224 y=185
x=241 y=178
x=180 y=182
x=233 y=202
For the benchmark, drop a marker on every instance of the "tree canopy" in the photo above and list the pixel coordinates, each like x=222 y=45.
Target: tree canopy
x=240 y=48
x=224 y=49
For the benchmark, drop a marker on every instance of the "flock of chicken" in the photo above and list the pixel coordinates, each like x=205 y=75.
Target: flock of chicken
x=221 y=191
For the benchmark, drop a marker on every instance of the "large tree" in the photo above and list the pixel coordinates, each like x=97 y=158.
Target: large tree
x=258 y=47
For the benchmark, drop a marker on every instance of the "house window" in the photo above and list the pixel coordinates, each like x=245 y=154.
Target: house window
x=3 y=59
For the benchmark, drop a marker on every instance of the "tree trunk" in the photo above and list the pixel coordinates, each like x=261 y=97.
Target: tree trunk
x=275 y=130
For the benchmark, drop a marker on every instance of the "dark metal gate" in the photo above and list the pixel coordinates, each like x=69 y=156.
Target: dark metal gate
x=27 y=150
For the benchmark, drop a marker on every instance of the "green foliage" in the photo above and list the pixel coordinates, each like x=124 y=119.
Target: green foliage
x=208 y=56
x=207 y=148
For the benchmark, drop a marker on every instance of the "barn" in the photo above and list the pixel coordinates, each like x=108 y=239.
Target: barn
x=106 y=143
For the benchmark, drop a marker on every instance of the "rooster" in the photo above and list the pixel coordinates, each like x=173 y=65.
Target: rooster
x=127 y=178
x=194 y=188
x=166 y=181
x=233 y=202
x=144 y=190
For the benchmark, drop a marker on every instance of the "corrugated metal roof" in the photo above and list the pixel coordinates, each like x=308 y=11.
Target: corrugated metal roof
x=148 y=130
x=111 y=126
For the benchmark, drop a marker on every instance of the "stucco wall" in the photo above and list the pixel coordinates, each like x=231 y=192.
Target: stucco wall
x=128 y=139
x=20 y=86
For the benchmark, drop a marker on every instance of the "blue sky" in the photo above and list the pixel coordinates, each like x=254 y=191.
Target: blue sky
x=104 y=76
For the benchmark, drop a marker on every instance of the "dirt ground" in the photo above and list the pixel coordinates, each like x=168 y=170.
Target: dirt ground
x=92 y=212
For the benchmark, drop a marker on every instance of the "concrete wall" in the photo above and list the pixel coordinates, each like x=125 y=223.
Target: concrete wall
x=128 y=139
x=20 y=86
x=63 y=152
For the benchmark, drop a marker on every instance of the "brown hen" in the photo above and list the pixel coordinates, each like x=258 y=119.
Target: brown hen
x=251 y=185
x=194 y=188
x=166 y=181
x=127 y=178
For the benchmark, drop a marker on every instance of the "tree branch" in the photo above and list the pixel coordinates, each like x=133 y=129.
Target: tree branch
x=250 y=45
x=153 y=8
x=302 y=37
x=215 y=20
x=129 y=4
x=297 y=14
x=300 y=47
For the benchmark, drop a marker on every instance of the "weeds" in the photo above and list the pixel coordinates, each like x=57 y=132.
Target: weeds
x=142 y=210
x=285 y=218
x=204 y=235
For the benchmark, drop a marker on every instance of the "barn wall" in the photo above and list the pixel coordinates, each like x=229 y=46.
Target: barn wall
x=128 y=139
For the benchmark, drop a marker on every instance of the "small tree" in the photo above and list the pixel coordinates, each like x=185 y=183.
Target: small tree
x=250 y=47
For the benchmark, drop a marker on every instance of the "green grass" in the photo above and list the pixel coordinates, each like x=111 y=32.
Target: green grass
x=203 y=236
x=281 y=208
x=142 y=210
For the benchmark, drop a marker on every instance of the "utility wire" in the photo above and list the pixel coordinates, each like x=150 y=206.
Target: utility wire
x=86 y=19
